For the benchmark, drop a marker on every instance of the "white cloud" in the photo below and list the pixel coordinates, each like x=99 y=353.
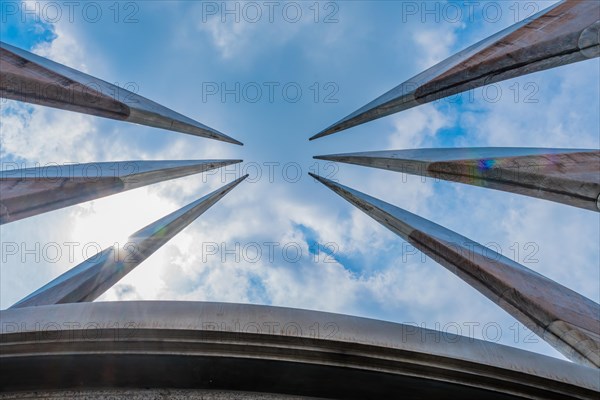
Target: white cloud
x=436 y=44
x=417 y=126
x=228 y=38
x=44 y=135
x=243 y=34
x=65 y=49
x=545 y=109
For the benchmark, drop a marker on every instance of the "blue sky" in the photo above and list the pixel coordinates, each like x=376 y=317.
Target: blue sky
x=173 y=52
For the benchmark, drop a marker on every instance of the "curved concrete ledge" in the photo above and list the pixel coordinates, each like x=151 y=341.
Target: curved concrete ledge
x=236 y=347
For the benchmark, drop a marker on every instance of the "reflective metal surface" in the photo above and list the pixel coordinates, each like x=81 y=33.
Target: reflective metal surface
x=566 y=32
x=88 y=280
x=568 y=176
x=565 y=319
x=27 y=77
x=224 y=346
x=32 y=191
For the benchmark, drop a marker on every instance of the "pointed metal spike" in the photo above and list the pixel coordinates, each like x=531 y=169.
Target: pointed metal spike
x=567 y=176
x=27 y=77
x=564 y=33
x=90 y=279
x=564 y=318
x=32 y=191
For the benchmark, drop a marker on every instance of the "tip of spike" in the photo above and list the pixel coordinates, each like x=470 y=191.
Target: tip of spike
x=239 y=180
x=324 y=132
x=235 y=141
x=325 y=158
x=197 y=129
x=181 y=123
x=337 y=127
x=319 y=178
x=236 y=182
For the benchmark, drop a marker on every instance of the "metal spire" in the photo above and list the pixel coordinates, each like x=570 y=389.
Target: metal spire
x=564 y=33
x=32 y=191
x=568 y=176
x=27 y=77
x=565 y=319
x=88 y=280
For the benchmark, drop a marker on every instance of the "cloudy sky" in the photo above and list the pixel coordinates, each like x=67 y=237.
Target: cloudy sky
x=272 y=76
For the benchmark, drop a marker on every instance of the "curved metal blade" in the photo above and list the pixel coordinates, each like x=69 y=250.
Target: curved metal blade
x=567 y=176
x=27 y=77
x=564 y=33
x=565 y=319
x=32 y=191
x=88 y=280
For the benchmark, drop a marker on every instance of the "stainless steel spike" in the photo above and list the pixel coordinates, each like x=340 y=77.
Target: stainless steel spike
x=32 y=191
x=27 y=77
x=564 y=33
x=94 y=276
x=568 y=176
x=565 y=319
